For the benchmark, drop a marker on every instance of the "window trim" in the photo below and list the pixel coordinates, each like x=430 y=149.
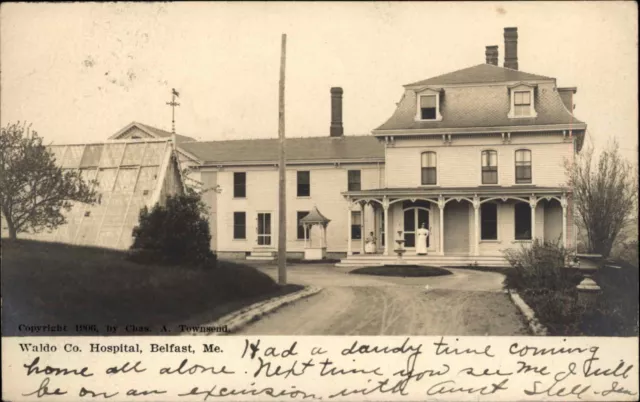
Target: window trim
x=234 y=226
x=436 y=167
x=515 y=170
x=359 y=179
x=522 y=87
x=298 y=184
x=353 y=224
x=515 y=238
x=428 y=92
x=497 y=183
x=298 y=224
x=234 y=185
x=497 y=239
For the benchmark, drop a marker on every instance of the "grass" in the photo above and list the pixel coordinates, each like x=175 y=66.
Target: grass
x=401 y=270
x=53 y=283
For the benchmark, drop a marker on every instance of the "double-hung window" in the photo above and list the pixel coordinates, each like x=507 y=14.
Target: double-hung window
x=489 y=167
x=429 y=169
x=523 y=166
x=304 y=184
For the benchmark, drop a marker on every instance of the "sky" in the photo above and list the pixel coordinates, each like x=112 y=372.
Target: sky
x=81 y=72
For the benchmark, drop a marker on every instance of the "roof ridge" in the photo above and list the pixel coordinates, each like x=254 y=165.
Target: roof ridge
x=286 y=138
x=440 y=75
x=480 y=74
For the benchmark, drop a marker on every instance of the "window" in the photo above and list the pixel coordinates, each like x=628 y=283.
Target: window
x=429 y=172
x=489 y=167
x=489 y=221
x=356 y=225
x=239 y=184
x=239 y=225
x=428 y=105
x=301 y=214
x=522 y=103
x=304 y=184
x=523 y=221
x=354 y=180
x=523 y=166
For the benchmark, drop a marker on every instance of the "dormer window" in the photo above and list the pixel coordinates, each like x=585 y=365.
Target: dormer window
x=428 y=105
x=522 y=101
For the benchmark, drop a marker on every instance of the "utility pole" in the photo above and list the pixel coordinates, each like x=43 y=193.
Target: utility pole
x=282 y=208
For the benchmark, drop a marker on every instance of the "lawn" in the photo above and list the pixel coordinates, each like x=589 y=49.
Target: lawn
x=52 y=283
x=401 y=270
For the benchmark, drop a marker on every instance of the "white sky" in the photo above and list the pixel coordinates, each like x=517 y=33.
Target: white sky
x=81 y=72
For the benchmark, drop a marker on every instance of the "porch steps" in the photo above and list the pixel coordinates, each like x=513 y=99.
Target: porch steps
x=432 y=260
x=262 y=255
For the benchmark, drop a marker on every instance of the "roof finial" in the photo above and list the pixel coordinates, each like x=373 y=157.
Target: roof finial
x=173 y=104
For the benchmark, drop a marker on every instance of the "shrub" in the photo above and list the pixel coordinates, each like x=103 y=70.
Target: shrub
x=175 y=233
x=550 y=289
x=540 y=266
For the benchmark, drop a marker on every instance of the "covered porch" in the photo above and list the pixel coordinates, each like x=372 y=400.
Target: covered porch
x=465 y=224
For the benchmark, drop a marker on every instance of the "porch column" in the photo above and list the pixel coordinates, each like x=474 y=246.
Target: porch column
x=533 y=202
x=476 y=225
x=441 y=205
x=304 y=226
x=363 y=231
x=349 y=252
x=324 y=236
x=563 y=203
x=385 y=206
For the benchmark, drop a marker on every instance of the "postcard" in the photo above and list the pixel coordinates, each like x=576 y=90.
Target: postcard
x=380 y=201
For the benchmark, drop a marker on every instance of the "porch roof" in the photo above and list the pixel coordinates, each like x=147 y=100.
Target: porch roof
x=452 y=191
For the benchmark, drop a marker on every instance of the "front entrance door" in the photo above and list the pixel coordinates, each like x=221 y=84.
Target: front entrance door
x=413 y=219
x=264 y=229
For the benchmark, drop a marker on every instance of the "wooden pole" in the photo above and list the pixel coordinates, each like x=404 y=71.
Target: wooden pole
x=282 y=209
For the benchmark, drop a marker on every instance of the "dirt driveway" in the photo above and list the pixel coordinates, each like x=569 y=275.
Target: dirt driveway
x=465 y=303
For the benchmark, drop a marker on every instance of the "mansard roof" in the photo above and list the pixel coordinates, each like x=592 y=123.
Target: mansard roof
x=297 y=149
x=483 y=105
x=481 y=74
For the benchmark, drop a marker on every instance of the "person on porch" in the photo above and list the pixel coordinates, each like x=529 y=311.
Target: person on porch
x=421 y=243
x=370 y=244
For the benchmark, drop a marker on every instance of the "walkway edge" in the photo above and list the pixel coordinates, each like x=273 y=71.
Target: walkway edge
x=534 y=325
x=238 y=319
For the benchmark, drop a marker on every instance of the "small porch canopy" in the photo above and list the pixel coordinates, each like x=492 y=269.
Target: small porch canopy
x=315 y=218
x=440 y=196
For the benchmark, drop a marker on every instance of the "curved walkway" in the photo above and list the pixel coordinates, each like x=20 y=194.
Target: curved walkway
x=465 y=303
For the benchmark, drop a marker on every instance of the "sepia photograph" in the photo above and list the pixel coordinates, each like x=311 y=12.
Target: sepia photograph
x=332 y=169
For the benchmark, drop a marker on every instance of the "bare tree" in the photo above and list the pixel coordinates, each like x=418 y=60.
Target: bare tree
x=33 y=190
x=605 y=194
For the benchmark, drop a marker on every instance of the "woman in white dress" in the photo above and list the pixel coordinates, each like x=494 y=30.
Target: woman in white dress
x=370 y=244
x=421 y=241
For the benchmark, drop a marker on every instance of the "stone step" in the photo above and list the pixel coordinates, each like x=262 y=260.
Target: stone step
x=262 y=253
x=260 y=258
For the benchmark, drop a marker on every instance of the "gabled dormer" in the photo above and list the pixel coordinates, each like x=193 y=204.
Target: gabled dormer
x=428 y=104
x=522 y=101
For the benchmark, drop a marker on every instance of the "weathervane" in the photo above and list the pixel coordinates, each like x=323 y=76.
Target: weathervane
x=173 y=104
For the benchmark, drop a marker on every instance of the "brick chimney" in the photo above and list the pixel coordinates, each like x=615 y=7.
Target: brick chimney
x=492 y=55
x=336 y=129
x=511 y=48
